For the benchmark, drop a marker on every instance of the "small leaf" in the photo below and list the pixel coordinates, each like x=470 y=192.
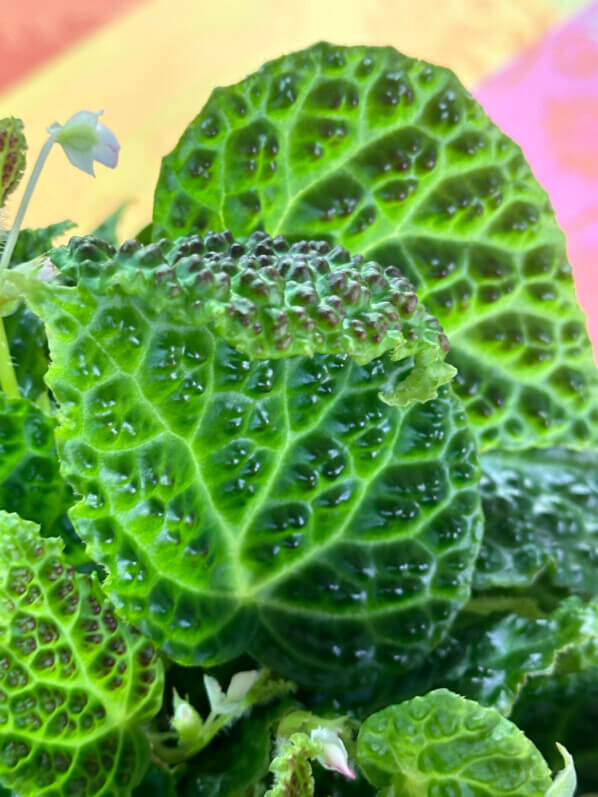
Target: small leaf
x=32 y=243
x=12 y=156
x=443 y=743
x=76 y=684
x=565 y=783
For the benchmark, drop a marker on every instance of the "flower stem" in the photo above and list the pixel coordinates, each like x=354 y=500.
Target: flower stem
x=14 y=232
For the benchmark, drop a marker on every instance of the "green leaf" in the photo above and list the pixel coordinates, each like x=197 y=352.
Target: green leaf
x=32 y=243
x=490 y=661
x=24 y=330
x=107 y=230
x=392 y=158
x=445 y=744
x=564 y=707
x=234 y=763
x=30 y=480
x=75 y=683
x=541 y=517
x=157 y=782
x=277 y=506
x=28 y=350
x=12 y=156
x=565 y=783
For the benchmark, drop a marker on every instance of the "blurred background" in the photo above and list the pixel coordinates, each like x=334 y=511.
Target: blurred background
x=150 y=64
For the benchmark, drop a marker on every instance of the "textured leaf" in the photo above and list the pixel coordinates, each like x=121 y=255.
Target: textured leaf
x=24 y=330
x=564 y=707
x=30 y=480
x=491 y=661
x=392 y=158
x=35 y=242
x=75 y=683
x=12 y=156
x=274 y=505
x=444 y=744
x=541 y=515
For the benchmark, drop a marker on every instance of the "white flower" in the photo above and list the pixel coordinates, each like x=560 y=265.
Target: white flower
x=239 y=686
x=84 y=140
x=334 y=755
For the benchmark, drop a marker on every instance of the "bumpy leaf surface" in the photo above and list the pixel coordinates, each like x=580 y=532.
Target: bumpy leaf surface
x=490 y=661
x=443 y=744
x=541 y=515
x=12 y=156
x=30 y=480
x=265 y=503
x=392 y=158
x=75 y=683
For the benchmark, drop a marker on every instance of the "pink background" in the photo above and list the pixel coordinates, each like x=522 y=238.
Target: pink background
x=547 y=100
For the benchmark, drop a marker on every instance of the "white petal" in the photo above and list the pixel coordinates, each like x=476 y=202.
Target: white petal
x=214 y=692
x=84 y=118
x=240 y=684
x=107 y=148
x=82 y=159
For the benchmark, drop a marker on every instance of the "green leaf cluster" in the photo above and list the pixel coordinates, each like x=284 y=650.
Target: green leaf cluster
x=333 y=414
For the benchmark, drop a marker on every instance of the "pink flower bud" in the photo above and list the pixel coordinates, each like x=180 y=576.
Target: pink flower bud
x=334 y=754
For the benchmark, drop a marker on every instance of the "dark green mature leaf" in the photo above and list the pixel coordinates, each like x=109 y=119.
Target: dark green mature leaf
x=564 y=707
x=274 y=505
x=24 y=330
x=491 y=660
x=157 y=782
x=443 y=744
x=29 y=351
x=541 y=515
x=75 y=683
x=30 y=480
x=392 y=158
